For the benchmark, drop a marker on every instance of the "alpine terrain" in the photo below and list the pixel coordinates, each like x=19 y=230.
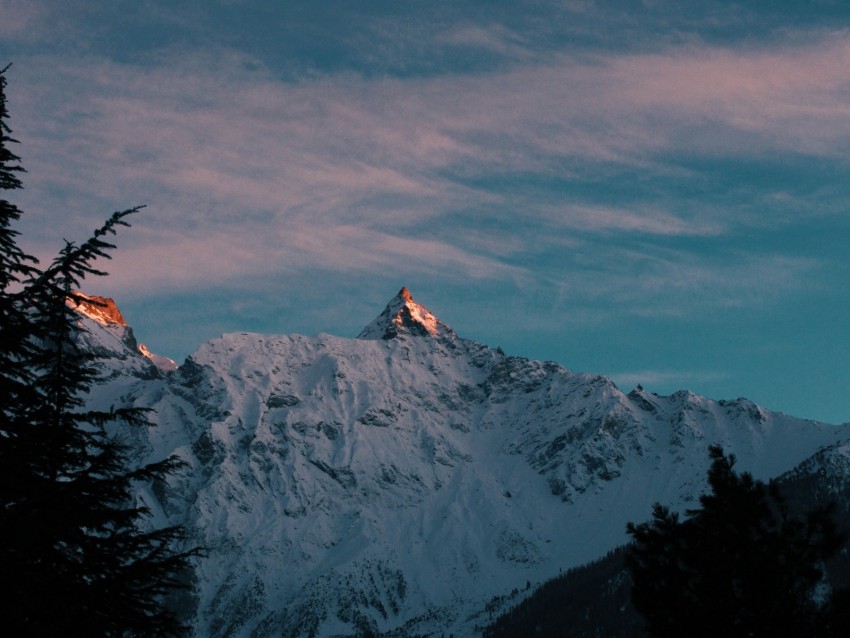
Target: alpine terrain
x=410 y=481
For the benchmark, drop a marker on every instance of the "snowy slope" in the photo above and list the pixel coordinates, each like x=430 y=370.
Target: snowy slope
x=401 y=481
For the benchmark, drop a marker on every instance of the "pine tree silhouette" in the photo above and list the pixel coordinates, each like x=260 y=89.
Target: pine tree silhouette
x=74 y=557
x=739 y=565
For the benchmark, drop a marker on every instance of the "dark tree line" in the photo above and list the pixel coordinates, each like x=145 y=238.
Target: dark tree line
x=739 y=565
x=588 y=601
x=754 y=559
x=75 y=558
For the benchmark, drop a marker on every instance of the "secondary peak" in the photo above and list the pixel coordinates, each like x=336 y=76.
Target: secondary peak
x=101 y=309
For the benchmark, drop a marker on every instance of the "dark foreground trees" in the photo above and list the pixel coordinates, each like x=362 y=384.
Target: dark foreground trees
x=739 y=565
x=74 y=557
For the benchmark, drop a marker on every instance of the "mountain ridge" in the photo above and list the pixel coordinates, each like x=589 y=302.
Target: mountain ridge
x=104 y=312
x=399 y=482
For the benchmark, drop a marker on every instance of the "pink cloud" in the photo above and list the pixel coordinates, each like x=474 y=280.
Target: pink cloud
x=797 y=95
x=22 y=19
x=243 y=174
x=633 y=220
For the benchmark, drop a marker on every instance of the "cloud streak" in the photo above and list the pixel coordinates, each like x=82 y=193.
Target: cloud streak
x=665 y=378
x=245 y=174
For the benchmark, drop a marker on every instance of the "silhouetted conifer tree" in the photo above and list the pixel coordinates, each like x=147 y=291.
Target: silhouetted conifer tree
x=739 y=565
x=74 y=560
x=15 y=266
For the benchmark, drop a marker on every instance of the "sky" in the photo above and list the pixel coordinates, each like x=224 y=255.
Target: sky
x=656 y=191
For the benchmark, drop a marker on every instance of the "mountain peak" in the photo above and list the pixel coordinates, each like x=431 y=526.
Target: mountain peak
x=403 y=315
x=102 y=309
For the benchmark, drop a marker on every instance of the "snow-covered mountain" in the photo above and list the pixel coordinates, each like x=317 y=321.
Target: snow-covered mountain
x=410 y=481
x=114 y=338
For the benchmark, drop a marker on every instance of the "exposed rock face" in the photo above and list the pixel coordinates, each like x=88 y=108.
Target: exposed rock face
x=101 y=309
x=403 y=315
x=104 y=311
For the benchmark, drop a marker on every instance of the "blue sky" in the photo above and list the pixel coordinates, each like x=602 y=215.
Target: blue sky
x=656 y=191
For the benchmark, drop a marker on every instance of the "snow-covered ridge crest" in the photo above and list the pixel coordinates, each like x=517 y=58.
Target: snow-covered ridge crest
x=162 y=362
x=104 y=311
x=101 y=309
x=403 y=315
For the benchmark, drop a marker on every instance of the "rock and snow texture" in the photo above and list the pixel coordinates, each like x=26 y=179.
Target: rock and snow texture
x=163 y=363
x=103 y=311
x=402 y=315
x=402 y=482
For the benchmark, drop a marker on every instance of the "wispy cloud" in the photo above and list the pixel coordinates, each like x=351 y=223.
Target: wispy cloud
x=21 y=19
x=245 y=174
x=649 y=221
x=666 y=378
x=157 y=265
x=495 y=38
x=794 y=97
x=673 y=283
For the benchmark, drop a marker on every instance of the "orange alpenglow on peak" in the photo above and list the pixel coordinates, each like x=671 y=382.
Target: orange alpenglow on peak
x=402 y=315
x=101 y=309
